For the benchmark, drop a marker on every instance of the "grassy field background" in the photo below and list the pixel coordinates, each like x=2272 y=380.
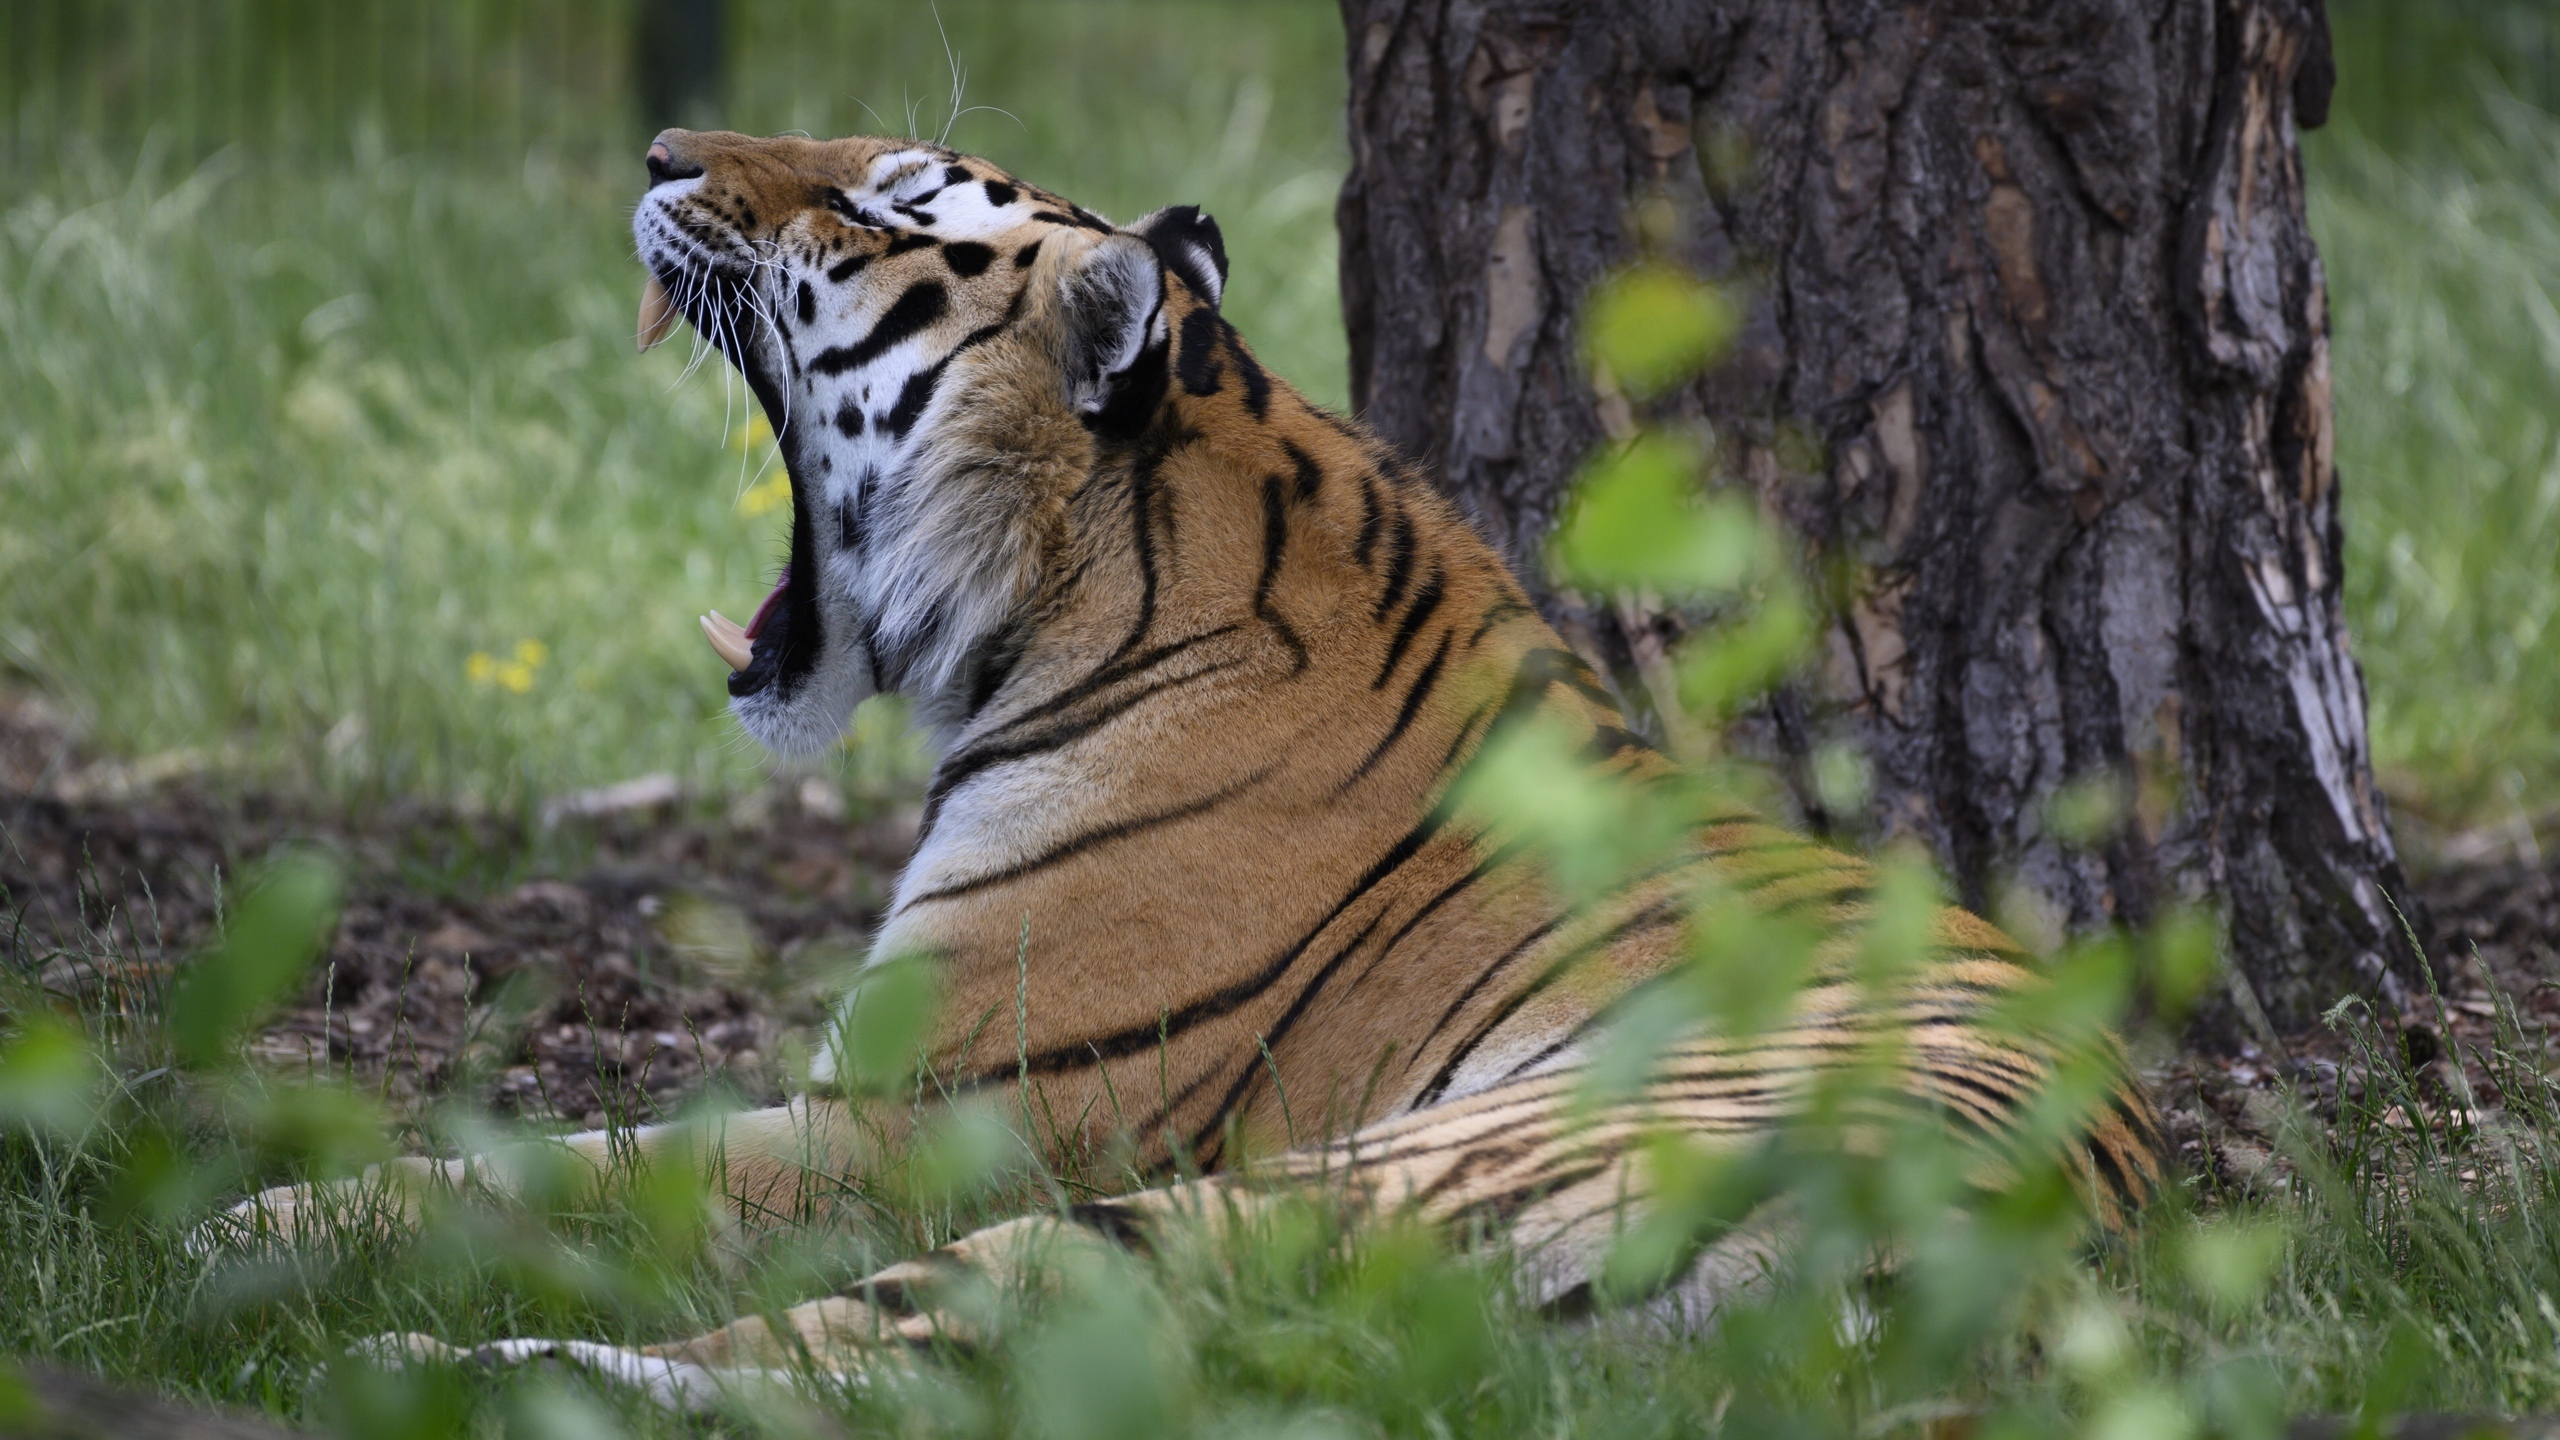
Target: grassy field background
x=315 y=389
x=297 y=427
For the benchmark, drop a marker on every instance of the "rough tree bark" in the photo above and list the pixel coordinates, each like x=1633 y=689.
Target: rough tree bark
x=2036 y=364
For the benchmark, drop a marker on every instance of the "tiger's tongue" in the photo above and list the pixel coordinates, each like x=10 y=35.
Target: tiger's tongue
x=764 y=611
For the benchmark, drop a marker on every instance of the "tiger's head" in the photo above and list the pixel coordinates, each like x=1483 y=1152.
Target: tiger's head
x=937 y=345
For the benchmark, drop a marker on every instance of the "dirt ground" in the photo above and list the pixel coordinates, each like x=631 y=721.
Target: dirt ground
x=618 y=959
x=641 y=945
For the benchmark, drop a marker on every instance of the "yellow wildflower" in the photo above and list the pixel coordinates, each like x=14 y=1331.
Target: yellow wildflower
x=514 y=675
x=768 y=495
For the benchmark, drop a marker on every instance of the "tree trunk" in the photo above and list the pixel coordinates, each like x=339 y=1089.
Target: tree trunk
x=2036 y=365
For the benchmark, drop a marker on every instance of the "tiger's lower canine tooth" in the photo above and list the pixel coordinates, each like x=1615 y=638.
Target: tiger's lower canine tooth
x=729 y=640
x=657 y=314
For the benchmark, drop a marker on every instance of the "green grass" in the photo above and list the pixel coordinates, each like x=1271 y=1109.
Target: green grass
x=2435 y=197
x=297 y=429
x=294 y=433
x=290 y=432
x=2405 y=1267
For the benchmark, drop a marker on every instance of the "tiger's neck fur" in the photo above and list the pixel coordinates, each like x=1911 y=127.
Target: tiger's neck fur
x=1188 y=810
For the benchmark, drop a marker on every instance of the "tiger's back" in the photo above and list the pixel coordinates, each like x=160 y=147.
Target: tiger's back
x=1206 y=661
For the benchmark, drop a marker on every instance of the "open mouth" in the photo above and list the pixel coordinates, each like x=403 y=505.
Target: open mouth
x=780 y=644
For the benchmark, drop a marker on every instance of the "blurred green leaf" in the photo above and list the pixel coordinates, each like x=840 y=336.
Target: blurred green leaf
x=2095 y=1345
x=962 y=1152
x=548 y=1409
x=48 y=1077
x=163 y=1182
x=1625 y=1053
x=1905 y=901
x=1724 y=670
x=277 y=931
x=412 y=1402
x=2086 y=991
x=1638 y=518
x=2229 y=1261
x=1431 y=1310
x=2086 y=811
x=1747 y=963
x=1842 y=778
x=1534 y=779
x=1652 y=326
x=673 y=1203
x=332 y=1129
x=2146 y=1413
x=884 y=1024
x=18 y=1407
x=1690 y=1192
x=2185 y=951
x=1102 y=1364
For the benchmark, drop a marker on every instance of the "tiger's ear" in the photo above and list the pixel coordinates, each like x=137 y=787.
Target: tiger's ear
x=1187 y=240
x=1112 y=299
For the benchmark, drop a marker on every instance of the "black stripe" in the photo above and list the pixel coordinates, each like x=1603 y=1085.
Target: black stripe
x=991 y=664
x=1673 y=909
x=1483 y=867
x=846 y=268
x=1226 y=1001
x=2137 y=1118
x=1414 y=695
x=913 y=396
x=1399 y=563
x=1369 y=518
x=1122 y=1225
x=1608 y=742
x=1466 y=732
x=956 y=769
x=1101 y=678
x=1253 y=1075
x=808 y=303
x=2126 y=1194
x=1425 y=601
x=1197 y=363
x=1310 y=476
x=905 y=243
x=1101 y=835
x=924 y=303
x=1652 y=917
x=1501 y=610
x=999 y=194
x=1275 y=541
x=1474 y=987
x=967 y=258
x=1142 y=486
x=1257 y=385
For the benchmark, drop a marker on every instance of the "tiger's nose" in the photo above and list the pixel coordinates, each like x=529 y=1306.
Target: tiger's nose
x=666 y=158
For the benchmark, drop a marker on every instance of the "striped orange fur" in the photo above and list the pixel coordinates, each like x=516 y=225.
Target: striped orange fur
x=1204 y=660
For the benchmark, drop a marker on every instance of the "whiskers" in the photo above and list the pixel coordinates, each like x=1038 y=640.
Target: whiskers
x=959 y=88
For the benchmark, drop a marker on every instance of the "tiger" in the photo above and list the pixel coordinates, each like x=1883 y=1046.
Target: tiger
x=1203 y=661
